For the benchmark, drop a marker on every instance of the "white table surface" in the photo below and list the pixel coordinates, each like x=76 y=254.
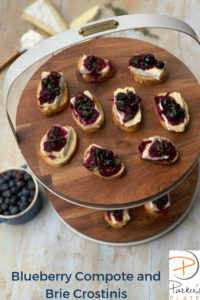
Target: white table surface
x=46 y=244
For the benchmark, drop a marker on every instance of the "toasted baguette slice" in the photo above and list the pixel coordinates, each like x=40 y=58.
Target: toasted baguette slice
x=163 y=120
x=95 y=171
x=116 y=118
x=147 y=80
x=53 y=110
x=164 y=158
x=108 y=216
x=99 y=78
x=100 y=120
x=146 y=69
x=58 y=162
x=151 y=209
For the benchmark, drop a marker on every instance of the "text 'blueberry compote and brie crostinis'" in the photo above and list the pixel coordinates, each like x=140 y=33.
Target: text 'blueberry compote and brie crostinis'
x=52 y=93
x=158 y=207
x=95 y=69
x=146 y=69
x=87 y=111
x=117 y=218
x=172 y=111
x=103 y=162
x=126 y=112
x=159 y=150
x=58 y=145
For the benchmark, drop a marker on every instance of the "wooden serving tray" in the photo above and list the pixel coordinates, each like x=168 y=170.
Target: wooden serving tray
x=144 y=180
x=142 y=227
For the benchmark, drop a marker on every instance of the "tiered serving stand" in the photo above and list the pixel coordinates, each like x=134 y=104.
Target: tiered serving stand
x=79 y=197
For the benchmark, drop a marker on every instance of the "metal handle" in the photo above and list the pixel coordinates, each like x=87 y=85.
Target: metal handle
x=73 y=36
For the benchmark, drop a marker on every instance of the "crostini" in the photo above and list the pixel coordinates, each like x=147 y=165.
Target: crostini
x=117 y=218
x=87 y=112
x=159 y=150
x=126 y=112
x=95 y=69
x=158 y=207
x=52 y=93
x=58 y=145
x=103 y=163
x=171 y=111
x=146 y=69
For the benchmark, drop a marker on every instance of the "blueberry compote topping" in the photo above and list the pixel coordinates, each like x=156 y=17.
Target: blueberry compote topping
x=103 y=161
x=159 y=148
x=172 y=110
x=56 y=139
x=50 y=88
x=128 y=104
x=143 y=145
x=162 y=147
x=161 y=203
x=145 y=62
x=95 y=65
x=84 y=109
x=117 y=214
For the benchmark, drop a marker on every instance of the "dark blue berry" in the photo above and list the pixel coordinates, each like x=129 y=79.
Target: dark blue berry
x=4 y=187
x=13 y=200
x=6 y=194
x=20 y=184
x=32 y=193
x=23 y=206
x=23 y=198
x=27 y=177
x=6 y=213
x=31 y=185
x=4 y=206
x=25 y=192
x=14 y=210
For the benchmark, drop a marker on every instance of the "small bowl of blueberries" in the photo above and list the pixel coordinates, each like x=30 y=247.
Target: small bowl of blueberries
x=20 y=196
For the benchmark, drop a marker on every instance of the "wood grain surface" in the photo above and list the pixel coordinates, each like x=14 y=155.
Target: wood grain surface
x=142 y=226
x=143 y=178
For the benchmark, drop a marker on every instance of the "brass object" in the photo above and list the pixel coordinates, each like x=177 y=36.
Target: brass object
x=98 y=27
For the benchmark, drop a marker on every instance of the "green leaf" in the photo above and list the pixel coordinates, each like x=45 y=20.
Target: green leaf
x=118 y=11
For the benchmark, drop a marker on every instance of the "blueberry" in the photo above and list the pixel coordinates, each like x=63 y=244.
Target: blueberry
x=23 y=198
x=14 y=190
x=14 y=174
x=11 y=183
x=4 y=187
x=7 y=201
x=14 y=210
x=1 y=200
x=160 y=64
x=31 y=185
x=19 y=194
x=20 y=175
x=27 y=177
x=32 y=193
x=30 y=200
x=149 y=59
x=13 y=200
x=4 y=207
x=25 y=192
x=6 y=194
x=5 y=179
x=20 y=184
x=9 y=174
x=23 y=206
x=6 y=213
